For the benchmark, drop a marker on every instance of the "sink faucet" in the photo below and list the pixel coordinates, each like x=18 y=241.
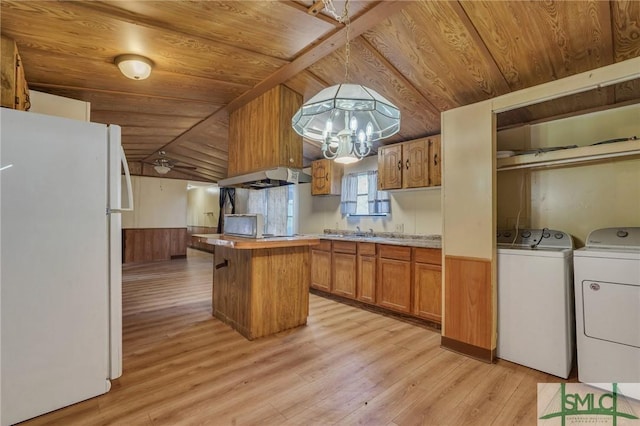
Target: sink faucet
x=359 y=233
x=371 y=232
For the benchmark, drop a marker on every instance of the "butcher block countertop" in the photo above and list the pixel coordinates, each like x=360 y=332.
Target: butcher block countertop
x=259 y=243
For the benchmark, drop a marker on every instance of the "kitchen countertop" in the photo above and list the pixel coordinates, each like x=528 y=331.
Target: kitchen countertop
x=259 y=243
x=422 y=241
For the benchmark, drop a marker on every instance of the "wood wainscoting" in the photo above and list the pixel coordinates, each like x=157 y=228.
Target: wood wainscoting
x=146 y=244
x=468 y=320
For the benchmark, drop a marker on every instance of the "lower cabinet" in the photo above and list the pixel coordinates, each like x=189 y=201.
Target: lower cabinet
x=427 y=276
x=394 y=278
x=344 y=269
x=399 y=278
x=321 y=266
x=366 y=278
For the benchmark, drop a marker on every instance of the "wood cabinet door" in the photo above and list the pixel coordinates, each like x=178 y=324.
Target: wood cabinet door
x=366 y=283
x=394 y=284
x=326 y=177
x=415 y=157
x=390 y=167
x=321 y=270
x=428 y=291
x=344 y=275
x=435 y=161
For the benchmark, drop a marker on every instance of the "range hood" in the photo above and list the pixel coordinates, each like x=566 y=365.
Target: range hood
x=266 y=179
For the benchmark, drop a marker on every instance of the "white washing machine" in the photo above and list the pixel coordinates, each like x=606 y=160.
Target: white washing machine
x=535 y=300
x=607 y=294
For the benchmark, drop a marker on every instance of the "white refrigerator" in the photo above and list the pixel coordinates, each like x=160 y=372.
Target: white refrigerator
x=60 y=261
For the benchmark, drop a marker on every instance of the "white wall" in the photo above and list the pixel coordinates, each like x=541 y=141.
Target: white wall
x=158 y=203
x=416 y=211
x=203 y=206
x=579 y=198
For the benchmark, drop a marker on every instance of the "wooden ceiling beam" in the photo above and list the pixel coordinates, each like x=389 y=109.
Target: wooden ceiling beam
x=358 y=26
x=318 y=5
x=369 y=19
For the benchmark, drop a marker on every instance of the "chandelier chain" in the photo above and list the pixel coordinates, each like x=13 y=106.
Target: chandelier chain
x=346 y=20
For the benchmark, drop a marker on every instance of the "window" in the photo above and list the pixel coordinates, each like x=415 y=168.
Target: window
x=362 y=200
x=360 y=196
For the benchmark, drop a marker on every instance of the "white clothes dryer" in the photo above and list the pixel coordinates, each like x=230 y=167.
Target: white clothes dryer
x=535 y=299
x=607 y=295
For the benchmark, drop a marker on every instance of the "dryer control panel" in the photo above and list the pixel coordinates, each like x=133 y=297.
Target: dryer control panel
x=534 y=238
x=623 y=238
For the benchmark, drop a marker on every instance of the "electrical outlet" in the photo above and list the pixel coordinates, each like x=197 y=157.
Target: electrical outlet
x=400 y=227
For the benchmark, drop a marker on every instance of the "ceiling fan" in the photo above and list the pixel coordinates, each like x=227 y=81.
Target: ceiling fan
x=163 y=165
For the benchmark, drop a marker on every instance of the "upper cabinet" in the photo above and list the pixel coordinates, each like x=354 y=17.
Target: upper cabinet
x=15 y=92
x=414 y=164
x=326 y=177
x=261 y=136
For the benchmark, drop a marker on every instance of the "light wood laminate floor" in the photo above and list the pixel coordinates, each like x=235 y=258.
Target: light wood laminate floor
x=347 y=366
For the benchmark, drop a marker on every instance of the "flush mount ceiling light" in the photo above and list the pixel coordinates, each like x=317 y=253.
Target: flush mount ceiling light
x=346 y=118
x=135 y=67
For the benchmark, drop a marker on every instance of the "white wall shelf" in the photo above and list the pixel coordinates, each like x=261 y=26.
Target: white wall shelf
x=583 y=154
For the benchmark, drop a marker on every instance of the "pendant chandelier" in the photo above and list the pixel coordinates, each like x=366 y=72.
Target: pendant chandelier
x=346 y=118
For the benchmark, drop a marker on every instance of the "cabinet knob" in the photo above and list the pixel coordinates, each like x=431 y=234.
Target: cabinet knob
x=435 y=159
x=399 y=164
x=407 y=164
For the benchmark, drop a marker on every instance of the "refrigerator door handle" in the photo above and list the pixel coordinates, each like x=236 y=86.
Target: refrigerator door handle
x=125 y=166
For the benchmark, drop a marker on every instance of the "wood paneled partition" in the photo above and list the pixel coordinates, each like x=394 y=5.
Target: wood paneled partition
x=468 y=305
x=146 y=244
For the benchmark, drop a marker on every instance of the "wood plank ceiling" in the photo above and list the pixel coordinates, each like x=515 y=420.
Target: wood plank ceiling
x=211 y=57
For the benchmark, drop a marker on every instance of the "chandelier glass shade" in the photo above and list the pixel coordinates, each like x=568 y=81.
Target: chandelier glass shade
x=346 y=119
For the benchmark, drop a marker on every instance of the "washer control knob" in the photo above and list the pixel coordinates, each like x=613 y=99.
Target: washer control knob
x=546 y=234
x=526 y=234
x=622 y=233
x=558 y=235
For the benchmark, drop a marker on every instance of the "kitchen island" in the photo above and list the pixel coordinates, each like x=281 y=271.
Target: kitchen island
x=261 y=286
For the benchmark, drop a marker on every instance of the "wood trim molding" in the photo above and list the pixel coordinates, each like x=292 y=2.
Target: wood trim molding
x=481 y=354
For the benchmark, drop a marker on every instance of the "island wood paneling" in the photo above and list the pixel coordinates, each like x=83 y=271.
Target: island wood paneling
x=145 y=244
x=468 y=306
x=261 y=292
